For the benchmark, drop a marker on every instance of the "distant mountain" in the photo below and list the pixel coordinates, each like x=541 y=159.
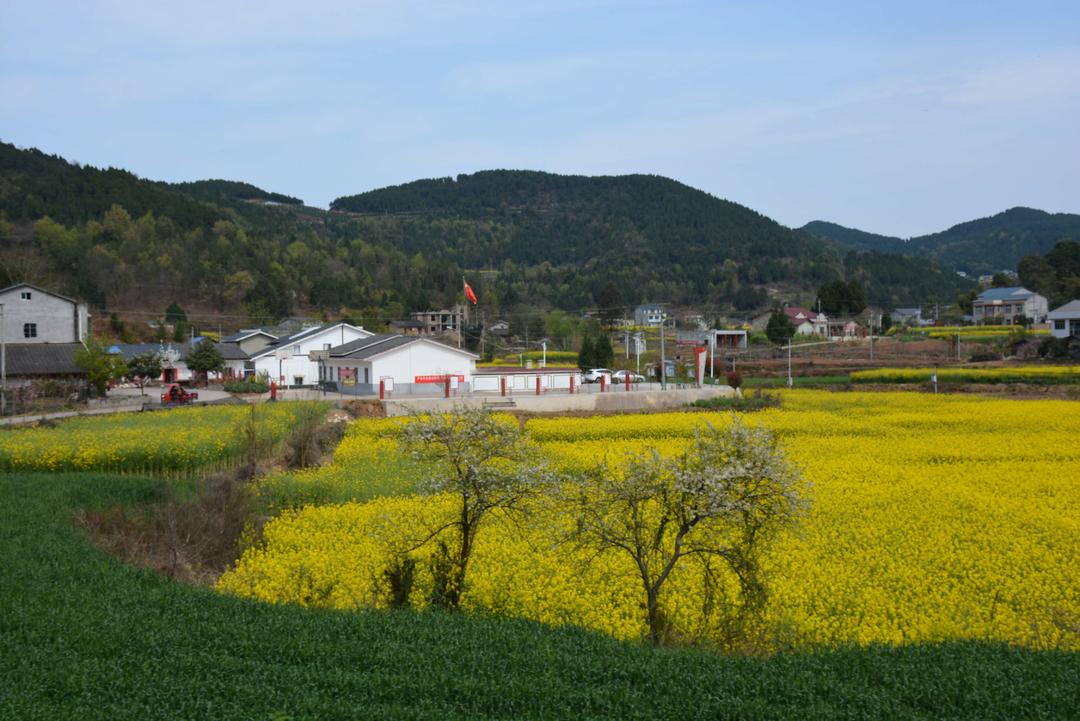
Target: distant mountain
x=978 y=246
x=225 y=191
x=853 y=238
x=526 y=240
x=656 y=238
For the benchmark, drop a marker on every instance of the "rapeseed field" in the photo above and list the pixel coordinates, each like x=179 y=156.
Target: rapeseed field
x=931 y=518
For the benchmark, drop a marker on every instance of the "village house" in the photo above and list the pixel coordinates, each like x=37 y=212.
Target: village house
x=1065 y=321
x=410 y=326
x=172 y=355
x=41 y=331
x=36 y=315
x=440 y=322
x=404 y=364
x=910 y=316
x=1008 y=306
x=251 y=340
x=287 y=360
x=804 y=320
x=651 y=314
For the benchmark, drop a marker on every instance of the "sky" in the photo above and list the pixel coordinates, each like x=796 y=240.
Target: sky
x=900 y=118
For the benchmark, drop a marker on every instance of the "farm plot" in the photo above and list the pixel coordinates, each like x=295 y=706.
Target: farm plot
x=932 y=519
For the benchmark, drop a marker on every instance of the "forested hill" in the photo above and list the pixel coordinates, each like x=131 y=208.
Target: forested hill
x=854 y=238
x=1000 y=241
x=985 y=245
x=226 y=191
x=526 y=240
x=654 y=237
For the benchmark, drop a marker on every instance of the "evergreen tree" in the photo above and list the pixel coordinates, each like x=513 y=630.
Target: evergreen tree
x=779 y=330
x=205 y=358
x=585 y=355
x=611 y=304
x=603 y=353
x=175 y=314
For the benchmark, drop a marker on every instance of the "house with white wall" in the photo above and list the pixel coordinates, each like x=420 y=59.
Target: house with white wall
x=410 y=364
x=1008 y=305
x=1065 y=321
x=251 y=340
x=36 y=315
x=287 y=360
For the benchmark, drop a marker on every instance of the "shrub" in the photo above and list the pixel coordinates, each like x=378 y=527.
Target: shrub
x=734 y=379
x=247 y=386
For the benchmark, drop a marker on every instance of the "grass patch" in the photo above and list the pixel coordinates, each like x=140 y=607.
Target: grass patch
x=799 y=381
x=83 y=636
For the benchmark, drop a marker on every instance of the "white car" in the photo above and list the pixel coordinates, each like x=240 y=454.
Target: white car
x=620 y=377
x=593 y=374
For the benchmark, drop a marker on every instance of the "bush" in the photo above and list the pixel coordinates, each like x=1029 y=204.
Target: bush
x=734 y=378
x=984 y=357
x=247 y=386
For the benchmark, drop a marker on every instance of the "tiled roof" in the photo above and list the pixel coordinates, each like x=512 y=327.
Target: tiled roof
x=1071 y=309
x=130 y=350
x=1014 y=293
x=232 y=351
x=38 y=289
x=365 y=348
x=42 y=359
x=297 y=336
x=242 y=334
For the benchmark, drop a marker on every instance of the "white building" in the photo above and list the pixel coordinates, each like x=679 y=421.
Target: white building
x=36 y=315
x=649 y=315
x=1065 y=321
x=409 y=365
x=288 y=360
x=1006 y=306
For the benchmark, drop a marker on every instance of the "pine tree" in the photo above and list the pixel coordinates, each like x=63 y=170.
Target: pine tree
x=603 y=353
x=585 y=355
x=779 y=329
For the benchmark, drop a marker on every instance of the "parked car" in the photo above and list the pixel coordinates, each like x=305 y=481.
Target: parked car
x=620 y=377
x=593 y=374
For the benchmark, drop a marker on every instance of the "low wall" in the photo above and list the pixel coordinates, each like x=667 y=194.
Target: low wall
x=564 y=402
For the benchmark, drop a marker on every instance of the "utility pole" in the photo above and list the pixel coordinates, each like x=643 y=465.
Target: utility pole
x=712 y=354
x=637 y=350
x=790 y=380
x=663 y=356
x=626 y=343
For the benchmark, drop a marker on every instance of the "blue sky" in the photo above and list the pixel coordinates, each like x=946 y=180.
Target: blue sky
x=900 y=118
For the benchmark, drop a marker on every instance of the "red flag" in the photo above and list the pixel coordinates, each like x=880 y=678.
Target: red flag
x=469 y=293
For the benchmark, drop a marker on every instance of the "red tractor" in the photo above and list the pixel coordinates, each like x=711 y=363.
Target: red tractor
x=174 y=395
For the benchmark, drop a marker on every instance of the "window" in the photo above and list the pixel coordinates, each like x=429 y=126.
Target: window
x=296 y=350
x=1059 y=324
x=25 y=295
x=326 y=346
x=29 y=330
x=298 y=380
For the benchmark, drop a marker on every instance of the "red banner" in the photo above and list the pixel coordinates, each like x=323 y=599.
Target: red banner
x=436 y=379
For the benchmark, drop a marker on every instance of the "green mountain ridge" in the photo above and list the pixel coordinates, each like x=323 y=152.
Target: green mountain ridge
x=528 y=240
x=984 y=245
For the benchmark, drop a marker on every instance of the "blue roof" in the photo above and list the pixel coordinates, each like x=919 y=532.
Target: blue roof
x=1014 y=293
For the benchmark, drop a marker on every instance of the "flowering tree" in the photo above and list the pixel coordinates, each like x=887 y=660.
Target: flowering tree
x=487 y=464
x=719 y=503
